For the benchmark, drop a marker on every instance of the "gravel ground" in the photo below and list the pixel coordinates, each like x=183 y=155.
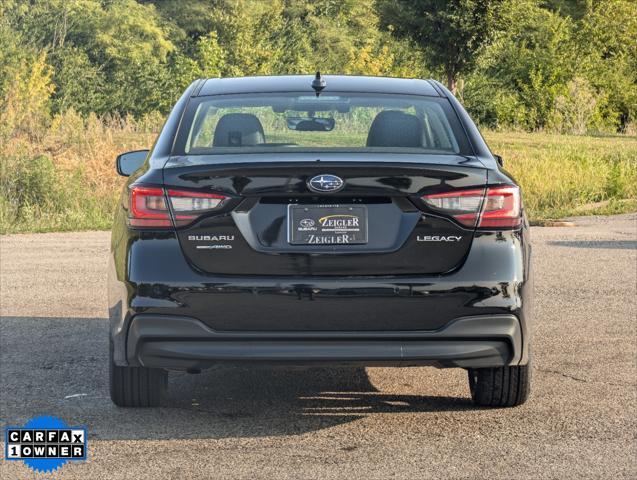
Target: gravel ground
x=334 y=423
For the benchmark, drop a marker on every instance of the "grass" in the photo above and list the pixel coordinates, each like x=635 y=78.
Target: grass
x=564 y=175
x=65 y=179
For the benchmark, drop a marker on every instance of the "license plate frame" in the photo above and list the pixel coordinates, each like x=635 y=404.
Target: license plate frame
x=328 y=225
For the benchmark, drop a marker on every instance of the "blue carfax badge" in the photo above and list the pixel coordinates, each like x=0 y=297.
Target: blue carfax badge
x=45 y=443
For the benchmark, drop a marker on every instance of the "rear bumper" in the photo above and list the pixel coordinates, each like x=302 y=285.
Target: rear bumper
x=186 y=343
x=366 y=320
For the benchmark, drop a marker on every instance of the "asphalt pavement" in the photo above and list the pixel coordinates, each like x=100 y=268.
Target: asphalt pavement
x=580 y=421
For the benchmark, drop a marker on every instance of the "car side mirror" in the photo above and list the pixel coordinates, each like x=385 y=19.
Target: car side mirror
x=128 y=162
x=499 y=159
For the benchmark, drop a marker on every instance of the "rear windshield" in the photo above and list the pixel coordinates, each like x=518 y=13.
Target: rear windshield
x=344 y=122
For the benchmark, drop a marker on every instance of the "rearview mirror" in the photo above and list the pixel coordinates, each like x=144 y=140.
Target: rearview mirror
x=311 y=124
x=499 y=159
x=128 y=162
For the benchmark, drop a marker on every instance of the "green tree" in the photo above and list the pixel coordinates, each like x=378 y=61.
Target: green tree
x=344 y=37
x=534 y=61
x=78 y=82
x=451 y=32
x=564 y=68
x=606 y=45
x=118 y=51
x=526 y=63
x=25 y=87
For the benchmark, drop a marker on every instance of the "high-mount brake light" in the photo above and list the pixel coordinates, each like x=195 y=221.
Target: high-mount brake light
x=493 y=207
x=148 y=207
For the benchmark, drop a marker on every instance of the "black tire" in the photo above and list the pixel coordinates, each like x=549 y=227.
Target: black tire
x=500 y=387
x=136 y=386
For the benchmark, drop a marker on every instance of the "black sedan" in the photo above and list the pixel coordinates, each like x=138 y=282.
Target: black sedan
x=308 y=220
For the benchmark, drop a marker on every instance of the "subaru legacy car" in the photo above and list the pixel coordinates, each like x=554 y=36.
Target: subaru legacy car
x=319 y=220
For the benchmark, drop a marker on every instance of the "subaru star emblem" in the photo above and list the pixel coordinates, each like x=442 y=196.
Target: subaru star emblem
x=326 y=183
x=307 y=223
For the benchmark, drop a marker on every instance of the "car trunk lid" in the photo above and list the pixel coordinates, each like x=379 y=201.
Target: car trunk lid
x=263 y=233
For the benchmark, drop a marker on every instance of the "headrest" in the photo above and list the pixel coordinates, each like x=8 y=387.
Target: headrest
x=392 y=128
x=238 y=130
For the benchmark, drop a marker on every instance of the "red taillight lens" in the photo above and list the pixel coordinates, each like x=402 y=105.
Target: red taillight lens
x=148 y=206
x=495 y=207
x=501 y=208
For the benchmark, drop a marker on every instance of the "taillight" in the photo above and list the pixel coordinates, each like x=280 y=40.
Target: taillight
x=188 y=206
x=493 y=207
x=501 y=208
x=148 y=206
x=463 y=205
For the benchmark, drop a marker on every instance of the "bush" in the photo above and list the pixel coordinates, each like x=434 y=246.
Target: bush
x=74 y=185
x=578 y=110
x=27 y=184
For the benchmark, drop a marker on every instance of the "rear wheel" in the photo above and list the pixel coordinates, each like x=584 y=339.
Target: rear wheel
x=501 y=386
x=136 y=386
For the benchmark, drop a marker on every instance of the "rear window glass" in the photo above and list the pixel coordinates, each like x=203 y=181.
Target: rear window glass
x=344 y=122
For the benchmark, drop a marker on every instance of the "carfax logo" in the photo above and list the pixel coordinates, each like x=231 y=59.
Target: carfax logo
x=45 y=443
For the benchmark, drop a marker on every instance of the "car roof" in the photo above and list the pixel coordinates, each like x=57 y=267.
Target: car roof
x=300 y=83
